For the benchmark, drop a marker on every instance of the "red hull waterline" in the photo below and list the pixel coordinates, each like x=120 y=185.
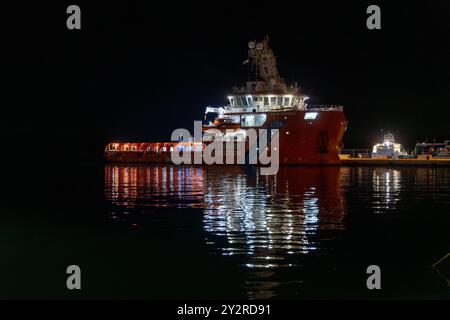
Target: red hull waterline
x=301 y=141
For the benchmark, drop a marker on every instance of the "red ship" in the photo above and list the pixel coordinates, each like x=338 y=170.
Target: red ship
x=308 y=134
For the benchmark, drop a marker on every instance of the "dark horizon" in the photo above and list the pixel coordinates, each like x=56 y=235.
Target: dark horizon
x=136 y=72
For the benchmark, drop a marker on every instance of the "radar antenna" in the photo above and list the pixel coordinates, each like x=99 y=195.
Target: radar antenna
x=262 y=58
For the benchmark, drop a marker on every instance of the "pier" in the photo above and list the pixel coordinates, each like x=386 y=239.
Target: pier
x=428 y=162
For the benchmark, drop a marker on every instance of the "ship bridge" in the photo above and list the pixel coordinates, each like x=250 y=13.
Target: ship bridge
x=265 y=91
x=264 y=102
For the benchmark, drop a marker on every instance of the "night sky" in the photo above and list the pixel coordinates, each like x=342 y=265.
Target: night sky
x=137 y=72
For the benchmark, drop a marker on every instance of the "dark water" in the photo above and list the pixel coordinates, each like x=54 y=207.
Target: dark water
x=305 y=231
x=227 y=232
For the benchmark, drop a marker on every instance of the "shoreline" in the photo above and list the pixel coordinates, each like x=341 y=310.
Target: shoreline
x=433 y=162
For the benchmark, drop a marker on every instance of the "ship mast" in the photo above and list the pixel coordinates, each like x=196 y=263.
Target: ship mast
x=263 y=60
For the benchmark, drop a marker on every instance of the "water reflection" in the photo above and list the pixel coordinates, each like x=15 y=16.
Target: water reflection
x=271 y=227
x=264 y=219
x=268 y=218
x=148 y=188
x=386 y=188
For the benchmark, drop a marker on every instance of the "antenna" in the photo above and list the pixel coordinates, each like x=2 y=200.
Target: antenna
x=263 y=60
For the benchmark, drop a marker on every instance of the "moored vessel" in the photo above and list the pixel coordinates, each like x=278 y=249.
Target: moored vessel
x=307 y=134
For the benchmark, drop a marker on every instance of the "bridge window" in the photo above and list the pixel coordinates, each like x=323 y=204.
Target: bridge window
x=250 y=102
x=273 y=100
x=296 y=101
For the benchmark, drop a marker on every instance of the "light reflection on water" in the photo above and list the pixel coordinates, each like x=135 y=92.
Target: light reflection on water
x=270 y=224
x=263 y=218
x=129 y=187
x=268 y=218
x=386 y=188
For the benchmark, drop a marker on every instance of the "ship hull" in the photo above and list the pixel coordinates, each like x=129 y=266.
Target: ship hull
x=301 y=141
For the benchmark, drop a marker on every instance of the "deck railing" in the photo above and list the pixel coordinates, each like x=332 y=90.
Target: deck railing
x=320 y=107
x=357 y=153
x=324 y=107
